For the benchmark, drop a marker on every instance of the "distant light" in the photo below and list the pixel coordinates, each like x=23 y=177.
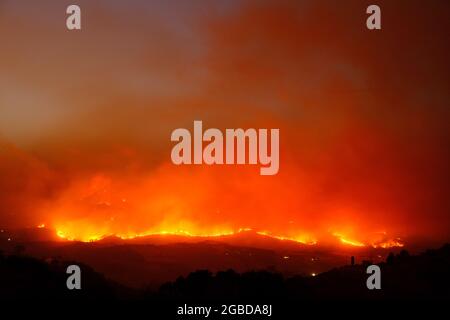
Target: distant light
x=313 y=274
x=9 y=239
x=286 y=257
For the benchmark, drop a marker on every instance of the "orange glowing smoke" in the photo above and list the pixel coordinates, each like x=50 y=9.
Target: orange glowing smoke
x=361 y=149
x=131 y=206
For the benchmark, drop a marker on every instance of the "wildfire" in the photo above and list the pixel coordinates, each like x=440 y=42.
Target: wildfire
x=90 y=238
x=175 y=233
x=62 y=235
x=380 y=243
x=350 y=242
x=389 y=244
x=101 y=206
x=87 y=233
x=86 y=236
x=302 y=239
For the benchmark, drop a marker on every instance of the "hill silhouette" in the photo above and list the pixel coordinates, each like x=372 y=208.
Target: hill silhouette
x=154 y=260
x=425 y=276
x=23 y=277
x=404 y=276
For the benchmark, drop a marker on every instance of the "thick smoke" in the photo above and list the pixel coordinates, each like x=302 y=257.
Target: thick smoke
x=86 y=118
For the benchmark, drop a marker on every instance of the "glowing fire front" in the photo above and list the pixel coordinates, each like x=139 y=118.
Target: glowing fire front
x=95 y=207
x=301 y=239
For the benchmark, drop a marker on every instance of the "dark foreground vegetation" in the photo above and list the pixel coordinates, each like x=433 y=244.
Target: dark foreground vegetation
x=424 y=276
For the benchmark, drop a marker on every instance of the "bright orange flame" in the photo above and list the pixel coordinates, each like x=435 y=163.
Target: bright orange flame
x=349 y=241
x=303 y=239
x=62 y=235
x=174 y=233
x=89 y=238
x=126 y=236
x=101 y=206
x=389 y=244
x=352 y=242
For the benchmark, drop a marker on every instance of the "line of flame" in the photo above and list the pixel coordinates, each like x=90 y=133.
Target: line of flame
x=306 y=240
